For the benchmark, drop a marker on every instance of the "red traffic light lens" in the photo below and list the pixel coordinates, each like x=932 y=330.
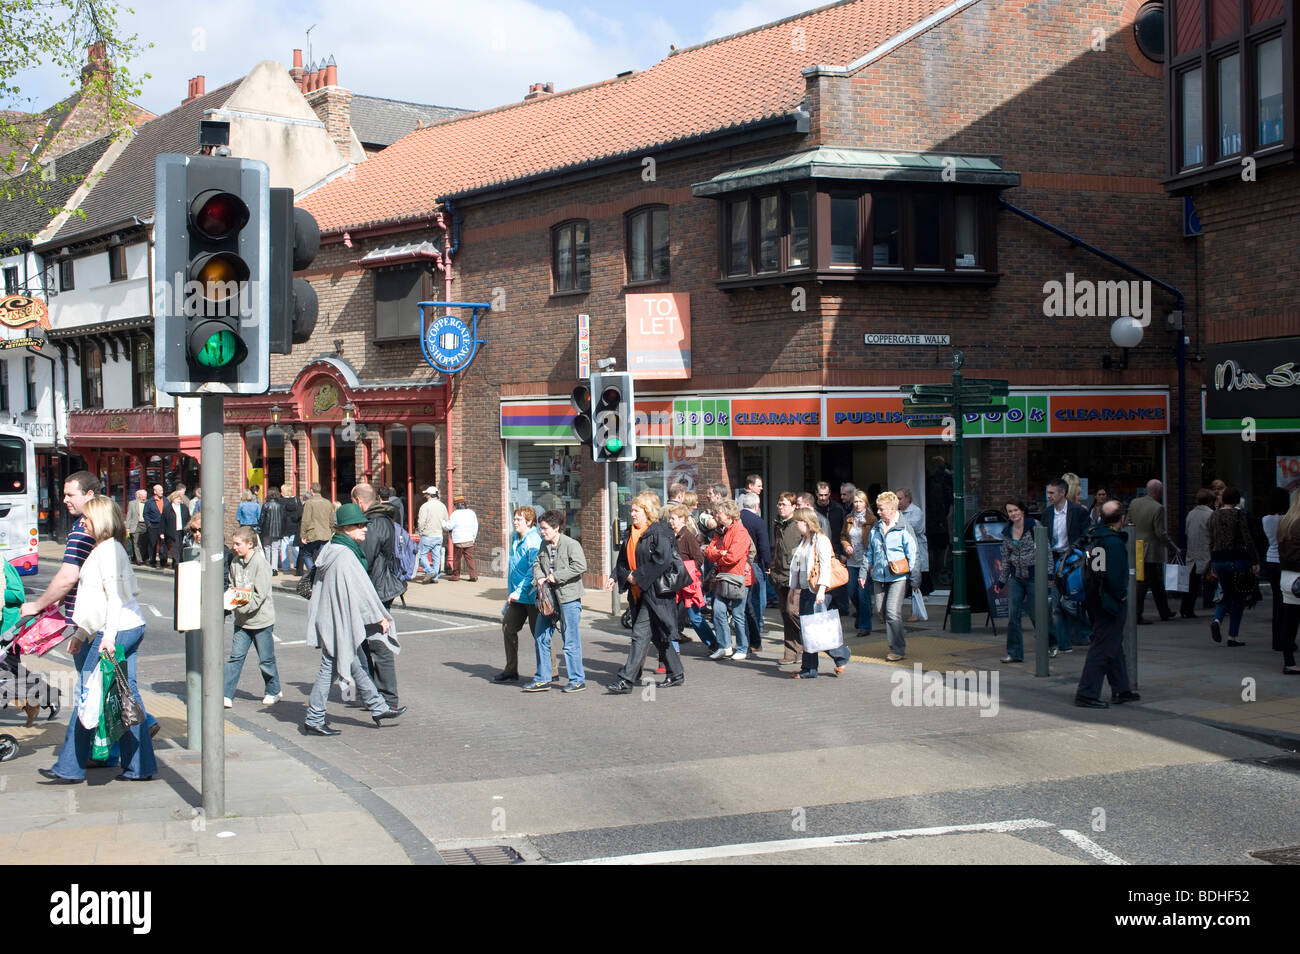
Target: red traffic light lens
x=610 y=397
x=581 y=399
x=218 y=215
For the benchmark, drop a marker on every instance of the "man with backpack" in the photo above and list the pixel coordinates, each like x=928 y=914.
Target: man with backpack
x=1066 y=523
x=1106 y=592
x=385 y=573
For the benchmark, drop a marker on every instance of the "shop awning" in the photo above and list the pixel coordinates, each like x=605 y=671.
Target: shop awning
x=842 y=162
x=425 y=251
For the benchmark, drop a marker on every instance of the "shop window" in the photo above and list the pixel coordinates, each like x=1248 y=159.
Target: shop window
x=1232 y=84
x=142 y=376
x=571 y=256
x=117 y=263
x=11 y=280
x=66 y=275
x=546 y=477
x=29 y=373
x=647 y=245
x=4 y=385
x=92 y=376
x=398 y=293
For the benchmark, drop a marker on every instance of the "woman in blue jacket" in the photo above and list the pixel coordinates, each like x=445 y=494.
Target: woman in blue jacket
x=892 y=541
x=249 y=511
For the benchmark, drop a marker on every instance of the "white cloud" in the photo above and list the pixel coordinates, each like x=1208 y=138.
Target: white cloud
x=753 y=13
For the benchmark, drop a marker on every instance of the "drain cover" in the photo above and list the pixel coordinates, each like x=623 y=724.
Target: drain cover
x=1279 y=856
x=484 y=855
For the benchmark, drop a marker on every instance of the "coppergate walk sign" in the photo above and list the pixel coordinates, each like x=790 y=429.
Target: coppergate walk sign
x=929 y=341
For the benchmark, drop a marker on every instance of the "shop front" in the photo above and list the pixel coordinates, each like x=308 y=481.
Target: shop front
x=134 y=448
x=1250 y=416
x=329 y=428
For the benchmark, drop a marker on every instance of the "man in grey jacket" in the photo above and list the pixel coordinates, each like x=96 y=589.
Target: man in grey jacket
x=254 y=617
x=560 y=565
x=1147 y=515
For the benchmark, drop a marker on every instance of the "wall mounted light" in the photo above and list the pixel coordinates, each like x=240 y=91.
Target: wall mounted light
x=1126 y=333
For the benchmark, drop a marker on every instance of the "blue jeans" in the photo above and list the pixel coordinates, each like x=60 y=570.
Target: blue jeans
x=136 y=746
x=572 y=644
x=1065 y=626
x=430 y=547
x=839 y=656
x=308 y=554
x=860 y=596
x=757 y=603
x=283 y=554
x=1021 y=595
x=1232 y=606
x=735 y=610
x=264 y=640
x=696 y=615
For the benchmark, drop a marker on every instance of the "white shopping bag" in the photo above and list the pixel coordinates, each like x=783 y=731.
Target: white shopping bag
x=918 y=606
x=821 y=632
x=1177 y=577
x=1290 y=587
x=92 y=698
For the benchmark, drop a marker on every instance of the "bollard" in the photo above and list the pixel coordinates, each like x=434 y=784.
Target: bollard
x=1042 y=617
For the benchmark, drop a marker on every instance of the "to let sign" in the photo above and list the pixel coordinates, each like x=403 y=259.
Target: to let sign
x=659 y=335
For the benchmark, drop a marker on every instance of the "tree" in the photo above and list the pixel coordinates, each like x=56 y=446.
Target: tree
x=82 y=41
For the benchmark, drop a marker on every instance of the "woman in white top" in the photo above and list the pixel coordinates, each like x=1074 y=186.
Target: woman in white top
x=854 y=539
x=1278 y=502
x=810 y=570
x=106 y=607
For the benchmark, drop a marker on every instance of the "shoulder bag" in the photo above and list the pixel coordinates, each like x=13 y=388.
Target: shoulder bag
x=839 y=574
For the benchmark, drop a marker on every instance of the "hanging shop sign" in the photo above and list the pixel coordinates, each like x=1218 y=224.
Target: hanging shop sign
x=659 y=336
x=20 y=312
x=449 y=343
x=1259 y=380
x=584 y=347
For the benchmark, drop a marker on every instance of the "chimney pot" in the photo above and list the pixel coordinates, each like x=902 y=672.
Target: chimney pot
x=200 y=83
x=331 y=74
x=297 y=59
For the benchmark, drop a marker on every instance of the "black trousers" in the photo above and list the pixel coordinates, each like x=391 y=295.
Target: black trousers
x=157 y=546
x=1105 y=655
x=1155 y=582
x=511 y=623
x=382 y=666
x=647 y=628
x=1187 y=607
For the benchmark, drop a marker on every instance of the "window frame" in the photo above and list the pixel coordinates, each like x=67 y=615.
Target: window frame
x=67 y=275
x=144 y=391
x=754 y=235
x=629 y=219
x=29 y=382
x=11 y=280
x=117 y=271
x=92 y=379
x=1245 y=41
x=4 y=385
x=426 y=293
x=570 y=226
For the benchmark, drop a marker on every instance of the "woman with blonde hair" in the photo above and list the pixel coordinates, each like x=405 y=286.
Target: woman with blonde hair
x=810 y=570
x=106 y=615
x=853 y=539
x=892 y=555
x=1073 y=488
x=643 y=558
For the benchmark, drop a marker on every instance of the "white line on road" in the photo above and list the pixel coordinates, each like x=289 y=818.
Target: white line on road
x=808 y=844
x=152 y=609
x=1091 y=847
x=292 y=642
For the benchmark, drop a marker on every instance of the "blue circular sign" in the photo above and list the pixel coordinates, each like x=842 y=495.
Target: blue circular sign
x=449 y=343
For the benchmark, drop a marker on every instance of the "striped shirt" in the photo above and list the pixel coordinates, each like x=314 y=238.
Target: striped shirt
x=80 y=543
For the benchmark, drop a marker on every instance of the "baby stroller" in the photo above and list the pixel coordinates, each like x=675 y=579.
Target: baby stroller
x=21 y=687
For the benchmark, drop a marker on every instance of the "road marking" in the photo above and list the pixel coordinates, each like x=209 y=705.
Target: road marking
x=292 y=642
x=1092 y=848
x=808 y=844
x=153 y=609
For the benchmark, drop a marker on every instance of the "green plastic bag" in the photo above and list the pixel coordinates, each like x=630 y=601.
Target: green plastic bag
x=110 y=713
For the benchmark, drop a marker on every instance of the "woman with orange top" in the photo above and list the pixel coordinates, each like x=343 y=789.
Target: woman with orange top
x=643 y=557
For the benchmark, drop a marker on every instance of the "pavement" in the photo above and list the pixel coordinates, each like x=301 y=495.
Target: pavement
x=286 y=806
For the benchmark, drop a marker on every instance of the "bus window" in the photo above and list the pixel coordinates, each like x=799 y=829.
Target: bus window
x=13 y=465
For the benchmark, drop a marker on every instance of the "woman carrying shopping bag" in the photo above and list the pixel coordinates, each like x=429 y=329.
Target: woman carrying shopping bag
x=853 y=538
x=810 y=576
x=106 y=607
x=892 y=553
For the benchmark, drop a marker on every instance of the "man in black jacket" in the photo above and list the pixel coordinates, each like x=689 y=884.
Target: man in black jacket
x=1066 y=523
x=1106 y=605
x=292 y=520
x=385 y=573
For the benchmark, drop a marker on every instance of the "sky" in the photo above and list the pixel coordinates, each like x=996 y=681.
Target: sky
x=476 y=54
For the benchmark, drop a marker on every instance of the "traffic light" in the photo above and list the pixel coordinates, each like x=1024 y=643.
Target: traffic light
x=295 y=240
x=212 y=261
x=581 y=401
x=614 y=407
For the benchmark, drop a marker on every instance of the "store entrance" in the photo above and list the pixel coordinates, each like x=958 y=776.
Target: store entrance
x=334 y=463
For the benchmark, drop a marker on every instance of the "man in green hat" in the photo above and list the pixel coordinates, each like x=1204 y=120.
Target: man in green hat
x=344 y=612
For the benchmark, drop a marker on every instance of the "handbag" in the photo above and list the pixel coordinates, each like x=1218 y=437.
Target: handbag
x=839 y=574
x=132 y=712
x=110 y=726
x=900 y=567
x=305 y=584
x=1290 y=587
x=1177 y=576
x=41 y=633
x=729 y=587
x=820 y=632
x=672 y=579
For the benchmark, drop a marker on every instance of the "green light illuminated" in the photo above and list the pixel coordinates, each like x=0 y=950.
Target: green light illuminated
x=614 y=446
x=219 y=350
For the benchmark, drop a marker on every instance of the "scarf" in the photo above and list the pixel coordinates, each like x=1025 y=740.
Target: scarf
x=343 y=540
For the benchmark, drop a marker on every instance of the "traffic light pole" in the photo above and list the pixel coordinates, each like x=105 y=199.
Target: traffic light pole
x=213 y=589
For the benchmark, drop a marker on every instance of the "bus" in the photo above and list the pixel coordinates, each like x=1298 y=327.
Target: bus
x=18 y=499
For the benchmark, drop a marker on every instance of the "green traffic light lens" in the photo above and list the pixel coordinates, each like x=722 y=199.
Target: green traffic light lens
x=219 y=350
x=614 y=446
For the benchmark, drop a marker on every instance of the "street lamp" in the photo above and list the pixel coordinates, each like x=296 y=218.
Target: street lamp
x=1126 y=333
x=275 y=415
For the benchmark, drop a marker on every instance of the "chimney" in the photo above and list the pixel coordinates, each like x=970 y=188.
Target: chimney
x=332 y=104
x=195 y=90
x=538 y=90
x=296 y=72
x=97 y=64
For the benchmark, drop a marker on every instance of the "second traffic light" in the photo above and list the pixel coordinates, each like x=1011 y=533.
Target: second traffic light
x=212 y=262
x=295 y=240
x=613 y=417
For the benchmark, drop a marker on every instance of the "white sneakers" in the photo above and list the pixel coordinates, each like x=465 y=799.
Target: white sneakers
x=227 y=702
x=720 y=653
x=737 y=657
x=270 y=700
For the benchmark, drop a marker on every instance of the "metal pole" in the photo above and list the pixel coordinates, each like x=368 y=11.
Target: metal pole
x=612 y=554
x=1131 y=616
x=194 y=689
x=960 y=605
x=1042 y=617
x=213 y=585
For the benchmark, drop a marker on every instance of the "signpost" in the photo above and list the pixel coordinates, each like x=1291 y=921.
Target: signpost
x=936 y=405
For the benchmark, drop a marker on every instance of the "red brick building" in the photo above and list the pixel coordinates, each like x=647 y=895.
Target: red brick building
x=807 y=192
